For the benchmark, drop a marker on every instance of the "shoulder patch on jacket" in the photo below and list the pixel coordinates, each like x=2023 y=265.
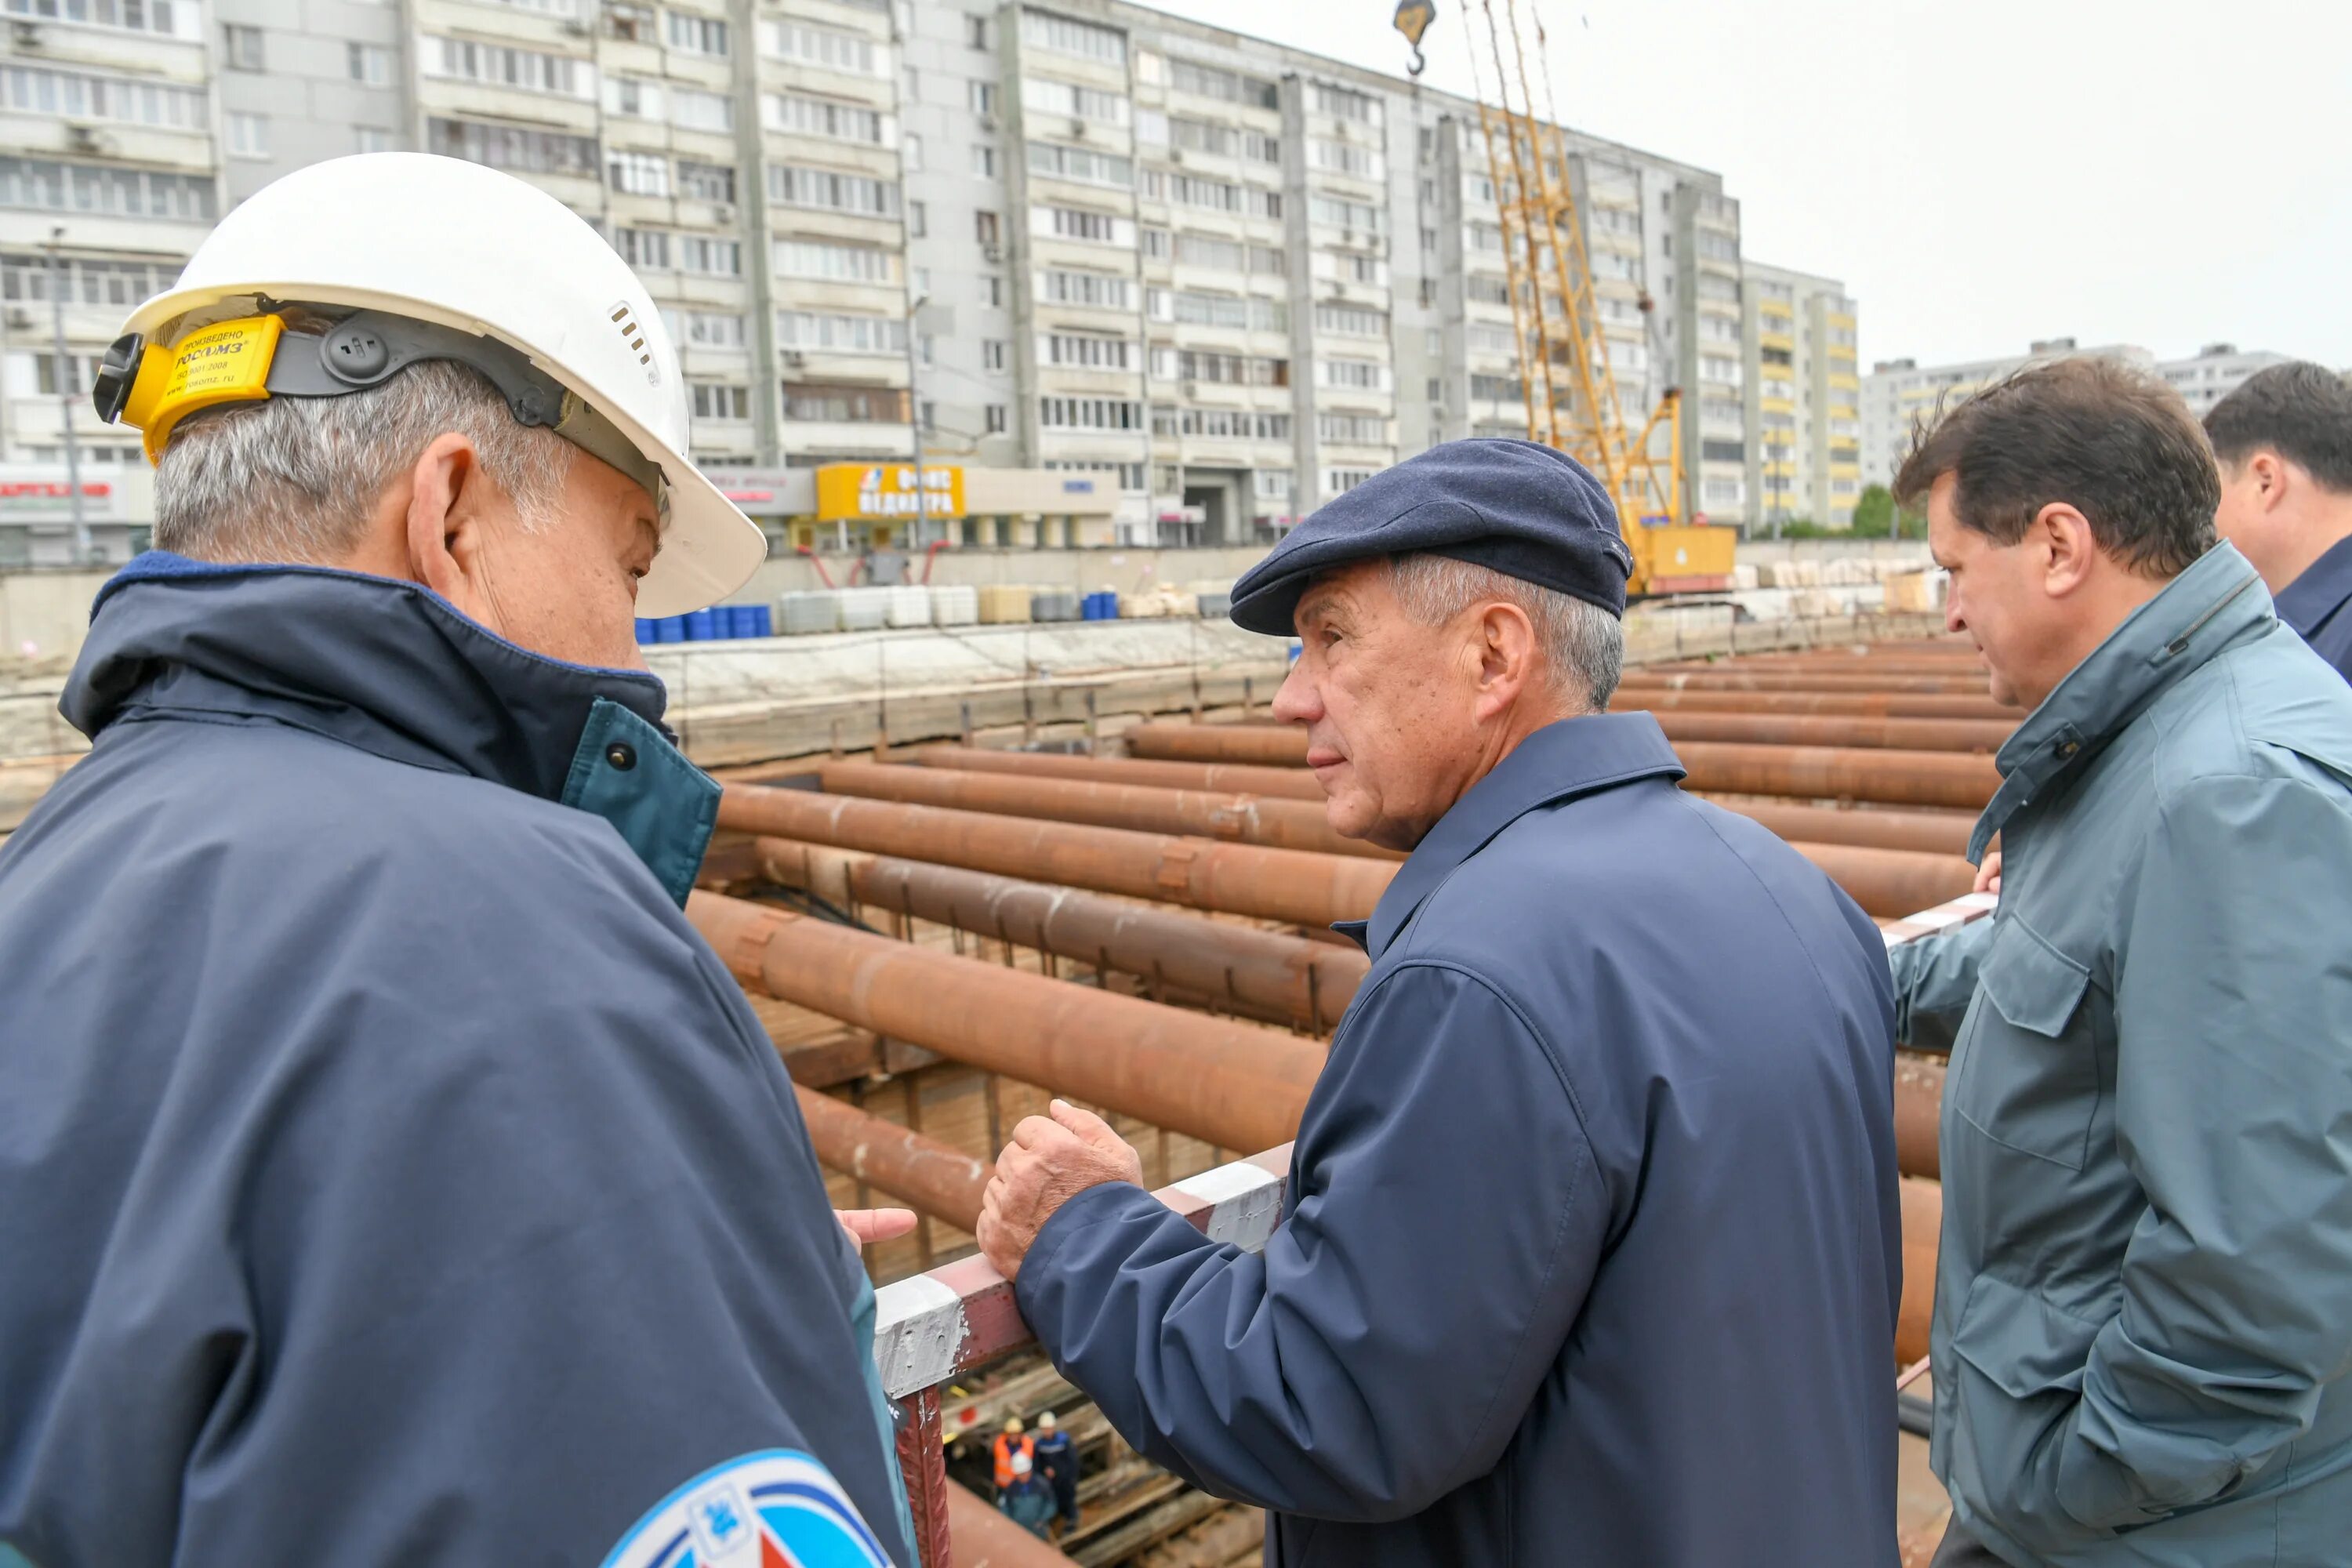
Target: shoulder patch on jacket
x=775 y=1509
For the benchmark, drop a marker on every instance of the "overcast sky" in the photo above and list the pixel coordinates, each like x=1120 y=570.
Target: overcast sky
x=2167 y=172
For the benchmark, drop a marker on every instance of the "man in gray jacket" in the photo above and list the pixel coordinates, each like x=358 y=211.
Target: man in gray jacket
x=2144 y=1300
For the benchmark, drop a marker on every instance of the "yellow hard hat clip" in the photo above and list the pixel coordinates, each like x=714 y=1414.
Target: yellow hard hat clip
x=151 y=388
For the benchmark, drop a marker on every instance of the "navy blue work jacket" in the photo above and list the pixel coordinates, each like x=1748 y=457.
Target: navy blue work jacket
x=389 y=1174
x=2318 y=605
x=1592 y=1251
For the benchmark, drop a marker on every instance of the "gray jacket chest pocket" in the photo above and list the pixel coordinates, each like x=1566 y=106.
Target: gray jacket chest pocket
x=2026 y=1071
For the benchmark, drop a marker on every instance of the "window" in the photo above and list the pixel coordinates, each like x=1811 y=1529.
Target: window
x=1353 y=267
x=1266 y=261
x=370 y=63
x=248 y=135
x=1351 y=320
x=1232 y=311
x=642 y=247
x=1079 y=164
x=633 y=98
x=834 y=261
x=706 y=329
x=1209 y=82
x=1237 y=370
x=1362 y=107
x=82 y=95
x=1335 y=211
x=1485 y=288
x=991 y=354
x=824 y=117
x=925 y=348
x=1194 y=191
x=1200 y=250
x=241 y=48
x=638 y=173
x=710 y=256
x=1724 y=492
x=919 y=220
x=1041 y=97
x=1272 y=484
x=1358 y=375
x=975 y=32
x=1766 y=356
x=983 y=157
x=1088 y=412
x=845 y=52
x=46 y=185
x=170 y=17
x=983 y=95
x=1345 y=158
x=1713 y=367
x=1074 y=223
x=1084 y=351
x=910 y=151
x=85 y=282
x=797 y=186
x=1131 y=475
x=498 y=65
x=993 y=417
x=1496 y=388
x=690 y=109
x=841 y=333
x=39 y=373
x=1723 y=451
x=368 y=139
x=706 y=182
x=1339 y=481
x=991 y=290
x=715 y=400
x=845 y=404
x=629 y=22
x=1073 y=288
x=695 y=35
x=512 y=147
x=1068 y=35
x=1261 y=204
x=987 y=227
x=1717 y=247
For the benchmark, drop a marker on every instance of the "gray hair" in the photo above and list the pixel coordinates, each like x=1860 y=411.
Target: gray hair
x=1583 y=645
x=296 y=479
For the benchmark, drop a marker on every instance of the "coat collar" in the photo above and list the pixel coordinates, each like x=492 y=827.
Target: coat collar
x=2313 y=599
x=394 y=670
x=2211 y=605
x=1562 y=761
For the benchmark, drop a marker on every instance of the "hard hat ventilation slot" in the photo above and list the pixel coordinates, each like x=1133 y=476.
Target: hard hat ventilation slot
x=626 y=322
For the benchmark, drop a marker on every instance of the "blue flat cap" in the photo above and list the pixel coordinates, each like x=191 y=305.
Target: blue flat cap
x=1528 y=510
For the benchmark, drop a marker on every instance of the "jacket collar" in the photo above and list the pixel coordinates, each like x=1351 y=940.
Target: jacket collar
x=1561 y=761
x=394 y=670
x=2313 y=599
x=2218 y=600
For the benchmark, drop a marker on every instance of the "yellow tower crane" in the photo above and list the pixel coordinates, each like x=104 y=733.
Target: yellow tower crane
x=1565 y=377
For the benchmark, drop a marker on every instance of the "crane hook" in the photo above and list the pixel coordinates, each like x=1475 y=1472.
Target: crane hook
x=1412 y=19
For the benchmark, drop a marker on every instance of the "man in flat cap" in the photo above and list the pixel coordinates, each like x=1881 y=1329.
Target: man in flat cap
x=1591 y=1252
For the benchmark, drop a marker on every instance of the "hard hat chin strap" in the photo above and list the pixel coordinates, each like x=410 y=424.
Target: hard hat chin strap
x=154 y=387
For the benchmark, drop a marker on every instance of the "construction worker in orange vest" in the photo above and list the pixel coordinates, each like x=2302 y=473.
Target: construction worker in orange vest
x=1018 y=1493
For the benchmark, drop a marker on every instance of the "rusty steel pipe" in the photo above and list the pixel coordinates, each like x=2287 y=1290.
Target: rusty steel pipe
x=1829 y=772
x=1296 y=886
x=1733 y=679
x=936 y=1178
x=1927 y=832
x=1892 y=883
x=1939 y=665
x=980 y=1535
x=1918 y=1110
x=1239 y=818
x=1284 y=783
x=1261 y=744
x=1263 y=974
x=1979 y=735
x=1923 y=1227
x=1241 y=1086
x=1635 y=694
x=1811 y=824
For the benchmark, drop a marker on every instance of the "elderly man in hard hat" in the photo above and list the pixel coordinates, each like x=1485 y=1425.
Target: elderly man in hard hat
x=388 y=1174
x=1591 y=1249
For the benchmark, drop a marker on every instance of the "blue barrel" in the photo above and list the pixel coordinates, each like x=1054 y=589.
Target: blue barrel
x=646 y=631
x=701 y=626
x=763 y=621
x=739 y=621
x=670 y=628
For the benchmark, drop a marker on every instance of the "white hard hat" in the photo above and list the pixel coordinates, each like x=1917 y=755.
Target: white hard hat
x=459 y=246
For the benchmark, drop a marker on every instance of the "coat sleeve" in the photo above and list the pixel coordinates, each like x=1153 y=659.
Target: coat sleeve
x=2233 y=1102
x=1383 y=1348
x=1934 y=976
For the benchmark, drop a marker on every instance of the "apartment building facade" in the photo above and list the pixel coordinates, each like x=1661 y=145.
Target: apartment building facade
x=1229 y=279
x=1803 y=400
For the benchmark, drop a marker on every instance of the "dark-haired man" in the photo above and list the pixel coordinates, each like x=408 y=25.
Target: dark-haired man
x=2144 y=1299
x=2285 y=441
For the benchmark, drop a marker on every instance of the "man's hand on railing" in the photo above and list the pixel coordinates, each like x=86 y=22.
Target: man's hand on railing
x=865 y=1225
x=1048 y=1162
x=1988 y=873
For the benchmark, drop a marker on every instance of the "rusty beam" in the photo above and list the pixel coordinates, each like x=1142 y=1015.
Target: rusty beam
x=1235 y=1085
x=1236 y=968
x=1287 y=783
x=936 y=1178
x=1636 y=693
x=1291 y=885
x=1280 y=823
x=1829 y=773
x=983 y=1537
x=1983 y=735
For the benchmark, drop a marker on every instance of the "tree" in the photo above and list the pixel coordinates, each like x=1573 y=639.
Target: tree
x=1874 y=513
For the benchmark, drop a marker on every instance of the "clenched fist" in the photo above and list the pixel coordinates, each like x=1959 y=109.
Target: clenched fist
x=1048 y=1162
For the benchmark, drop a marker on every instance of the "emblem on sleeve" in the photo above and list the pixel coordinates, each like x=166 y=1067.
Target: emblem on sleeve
x=778 y=1509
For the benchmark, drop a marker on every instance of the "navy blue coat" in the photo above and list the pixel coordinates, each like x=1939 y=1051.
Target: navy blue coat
x=2318 y=605
x=1592 y=1251
x=388 y=1174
